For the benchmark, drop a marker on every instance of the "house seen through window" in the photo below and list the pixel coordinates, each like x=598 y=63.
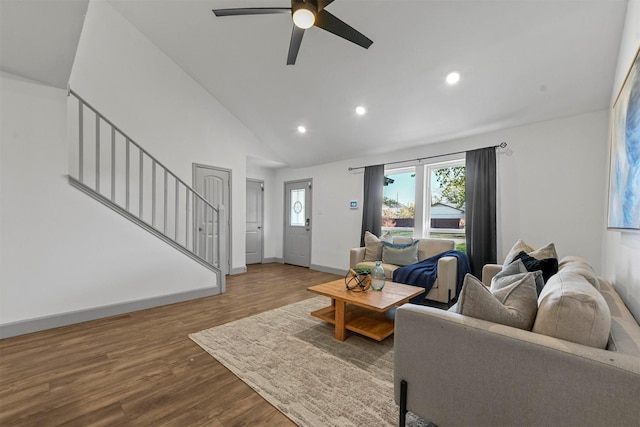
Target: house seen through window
x=426 y=201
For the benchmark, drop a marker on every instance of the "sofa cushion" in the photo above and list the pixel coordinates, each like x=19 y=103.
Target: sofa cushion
x=548 y=266
x=572 y=259
x=400 y=254
x=617 y=307
x=624 y=336
x=373 y=245
x=625 y=332
x=513 y=272
x=548 y=251
x=579 y=266
x=571 y=309
x=586 y=272
x=513 y=305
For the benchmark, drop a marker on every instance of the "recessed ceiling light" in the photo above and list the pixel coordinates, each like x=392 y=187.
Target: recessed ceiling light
x=360 y=110
x=453 y=77
x=302 y=129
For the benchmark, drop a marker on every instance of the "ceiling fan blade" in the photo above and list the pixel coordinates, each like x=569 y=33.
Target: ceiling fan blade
x=251 y=11
x=323 y=3
x=294 y=45
x=330 y=23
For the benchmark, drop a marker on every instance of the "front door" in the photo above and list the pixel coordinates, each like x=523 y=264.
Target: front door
x=253 y=241
x=297 y=227
x=214 y=185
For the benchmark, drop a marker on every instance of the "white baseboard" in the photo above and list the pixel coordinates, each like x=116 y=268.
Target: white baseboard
x=238 y=270
x=325 y=269
x=22 y=327
x=316 y=267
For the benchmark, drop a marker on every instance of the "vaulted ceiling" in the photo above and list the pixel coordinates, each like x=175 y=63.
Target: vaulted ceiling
x=39 y=39
x=521 y=62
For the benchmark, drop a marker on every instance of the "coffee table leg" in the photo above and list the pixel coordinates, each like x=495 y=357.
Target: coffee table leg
x=341 y=332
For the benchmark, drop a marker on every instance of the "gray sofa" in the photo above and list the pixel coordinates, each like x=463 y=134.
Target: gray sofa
x=444 y=288
x=456 y=370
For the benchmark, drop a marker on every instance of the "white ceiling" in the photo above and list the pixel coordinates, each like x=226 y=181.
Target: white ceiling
x=521 y=61
x=39 y=39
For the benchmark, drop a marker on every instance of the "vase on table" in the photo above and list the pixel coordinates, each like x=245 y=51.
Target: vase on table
x=377 y=277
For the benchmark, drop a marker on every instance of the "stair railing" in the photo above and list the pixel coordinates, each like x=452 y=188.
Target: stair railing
x=112 y=168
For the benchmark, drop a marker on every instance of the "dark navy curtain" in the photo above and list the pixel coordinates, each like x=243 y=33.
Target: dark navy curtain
x=372 y=201
x=480 y=212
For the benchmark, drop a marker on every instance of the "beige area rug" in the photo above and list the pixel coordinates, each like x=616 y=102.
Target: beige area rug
x=292 y=360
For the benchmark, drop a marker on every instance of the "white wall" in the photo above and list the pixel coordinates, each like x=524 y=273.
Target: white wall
x=335 y=227
x=61 y=251
x=550 y=189
x=121 y=73
x=621 y=251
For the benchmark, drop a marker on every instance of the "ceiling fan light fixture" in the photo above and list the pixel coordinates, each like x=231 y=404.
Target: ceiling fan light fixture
x=453 y=78
x=304 y=15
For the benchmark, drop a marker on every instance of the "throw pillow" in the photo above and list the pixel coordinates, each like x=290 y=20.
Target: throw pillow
x=509 y=270
x=548 y=266
x=548 y=251
x=400 y=254
x=513 y=305
x=514 y=272
x=401 y=240
x=400 y=245
x=373 y=246
x=573 y=310
x=519 y=246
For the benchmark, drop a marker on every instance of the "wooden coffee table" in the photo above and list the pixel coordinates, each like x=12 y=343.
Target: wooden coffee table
x=370 y=313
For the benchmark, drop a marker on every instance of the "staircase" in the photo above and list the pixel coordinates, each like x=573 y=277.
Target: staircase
x=113 y=169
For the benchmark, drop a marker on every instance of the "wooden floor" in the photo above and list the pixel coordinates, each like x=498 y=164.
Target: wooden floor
x=141 y=368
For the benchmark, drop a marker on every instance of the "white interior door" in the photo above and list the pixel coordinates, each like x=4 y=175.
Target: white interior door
x=254 y=233
x=214 y=185
x=297 y=227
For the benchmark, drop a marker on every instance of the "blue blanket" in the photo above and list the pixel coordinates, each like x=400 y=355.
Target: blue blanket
x=424 y=273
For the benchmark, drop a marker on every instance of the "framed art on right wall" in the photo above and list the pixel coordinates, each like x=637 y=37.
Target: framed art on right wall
x=624 y=171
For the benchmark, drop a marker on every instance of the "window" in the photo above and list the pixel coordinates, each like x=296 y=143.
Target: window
x=399 y=201
x=445 y=211
x=426 y=201
x=297 y=209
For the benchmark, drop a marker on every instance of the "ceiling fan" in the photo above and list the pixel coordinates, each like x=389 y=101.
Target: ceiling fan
x=305 y=14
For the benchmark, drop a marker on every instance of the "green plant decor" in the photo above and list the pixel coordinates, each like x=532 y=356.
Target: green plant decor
x=363 y=270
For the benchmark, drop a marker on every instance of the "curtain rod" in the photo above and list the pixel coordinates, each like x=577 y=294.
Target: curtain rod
x=419 y=159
